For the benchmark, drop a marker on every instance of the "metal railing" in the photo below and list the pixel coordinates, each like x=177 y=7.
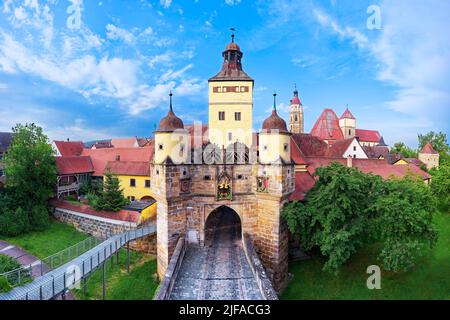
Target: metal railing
x=26 y=273
x=67 y=276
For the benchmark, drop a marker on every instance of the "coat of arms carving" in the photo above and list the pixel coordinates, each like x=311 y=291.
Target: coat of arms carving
x=262 y=184
x=224 y=191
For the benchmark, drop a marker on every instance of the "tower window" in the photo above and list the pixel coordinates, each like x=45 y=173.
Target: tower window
x=237 y=116
x=286 y=147
x=160 y=147
x=221 y=115
x=296 y=118
x=349 y=132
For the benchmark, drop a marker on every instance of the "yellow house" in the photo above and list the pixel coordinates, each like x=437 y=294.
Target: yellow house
x=134 y=178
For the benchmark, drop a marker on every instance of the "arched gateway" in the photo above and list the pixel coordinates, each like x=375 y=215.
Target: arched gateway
x=223 y=228
x=212 y=203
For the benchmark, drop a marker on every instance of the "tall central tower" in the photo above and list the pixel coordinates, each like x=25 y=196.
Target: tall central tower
x=231 y=101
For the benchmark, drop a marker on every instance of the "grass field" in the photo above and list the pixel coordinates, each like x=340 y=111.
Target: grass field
x=139 y=284
x=430 y=279
x=42 y=244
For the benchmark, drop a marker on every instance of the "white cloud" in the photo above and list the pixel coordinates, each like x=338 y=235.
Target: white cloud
x=3 y=86
x=116 y=33
x=232 y=2
x=165 y=3
x=411 y=52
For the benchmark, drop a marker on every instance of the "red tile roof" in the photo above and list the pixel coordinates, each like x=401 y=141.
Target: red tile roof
x=122 y=215
x=198 y=133
x=73 y=165
x=368 y=135
x=297 y=155
x=125 y=143
x=347 y=114
x=428 y=149
x=131 y=168
x=303 y=183
x=374 y=166
x=310 y=145
x=327 y=126
x=376 y=151
x=304 y=180
x=100 y=157
x=338 y=148
x=69 y=148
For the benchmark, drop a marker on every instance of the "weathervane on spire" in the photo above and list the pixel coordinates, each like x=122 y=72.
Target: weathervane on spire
x=232 y=34
x=170 y=97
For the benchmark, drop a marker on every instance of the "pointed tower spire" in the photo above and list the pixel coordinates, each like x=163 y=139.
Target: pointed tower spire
x=275 y=101
x=232 y=34
x=170 y=99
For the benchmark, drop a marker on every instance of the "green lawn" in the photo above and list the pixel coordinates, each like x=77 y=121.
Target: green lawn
x=430 y=279
x=139 y=284
x=42 y=244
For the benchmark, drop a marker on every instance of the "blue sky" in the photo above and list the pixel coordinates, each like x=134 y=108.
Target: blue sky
x=107 y=71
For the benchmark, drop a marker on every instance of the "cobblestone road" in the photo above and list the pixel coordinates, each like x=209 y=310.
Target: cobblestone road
x=218 y=271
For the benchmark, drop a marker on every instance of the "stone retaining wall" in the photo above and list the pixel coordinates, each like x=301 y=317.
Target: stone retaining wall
x=264 y=283
x=172 y=271
x=93 y=225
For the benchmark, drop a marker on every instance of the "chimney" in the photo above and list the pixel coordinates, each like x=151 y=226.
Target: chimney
x=68 y=139
x=349 y=161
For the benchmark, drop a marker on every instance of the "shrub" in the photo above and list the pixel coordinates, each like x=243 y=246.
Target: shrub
x=39 y=219
x=13 y=223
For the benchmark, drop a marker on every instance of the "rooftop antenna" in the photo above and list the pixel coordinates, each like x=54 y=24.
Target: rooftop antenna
x=232 y=34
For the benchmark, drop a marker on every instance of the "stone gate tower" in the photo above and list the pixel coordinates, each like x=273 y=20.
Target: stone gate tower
x=229 y=174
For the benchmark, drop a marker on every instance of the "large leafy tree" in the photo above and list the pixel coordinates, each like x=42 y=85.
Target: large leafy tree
x=31 y=178
x=403 y=215
x=30 y=166
x=334 y=216
x=111 y=198
x=403 y=150
x=347 y=209
x=440 y=185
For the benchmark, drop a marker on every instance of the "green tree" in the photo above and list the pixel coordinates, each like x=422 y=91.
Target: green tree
x=334 y=215
x=440 y=185
x=30 y=166
x=31 y=178
x=403 y=150
x=403 y=219
x=348 y=209
x=439 y=143
x=111 y=198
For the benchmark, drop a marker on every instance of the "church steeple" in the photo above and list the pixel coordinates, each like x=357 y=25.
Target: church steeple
x=296 y=114
x=232 y=62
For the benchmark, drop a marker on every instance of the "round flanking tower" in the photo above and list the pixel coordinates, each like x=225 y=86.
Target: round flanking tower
x=171 y=139
x=274 y=139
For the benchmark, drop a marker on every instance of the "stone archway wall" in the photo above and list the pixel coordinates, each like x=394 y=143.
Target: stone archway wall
x=224 y=221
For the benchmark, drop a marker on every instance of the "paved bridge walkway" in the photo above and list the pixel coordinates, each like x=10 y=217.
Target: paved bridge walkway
x=218 y=271
x=61 y=279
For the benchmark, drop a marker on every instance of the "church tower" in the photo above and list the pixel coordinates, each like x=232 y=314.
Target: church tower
x=231 y=100
x=296 y=114
x=347 y=122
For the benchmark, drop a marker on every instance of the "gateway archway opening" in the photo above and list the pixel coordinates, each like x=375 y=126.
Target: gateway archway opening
x=223 y=227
